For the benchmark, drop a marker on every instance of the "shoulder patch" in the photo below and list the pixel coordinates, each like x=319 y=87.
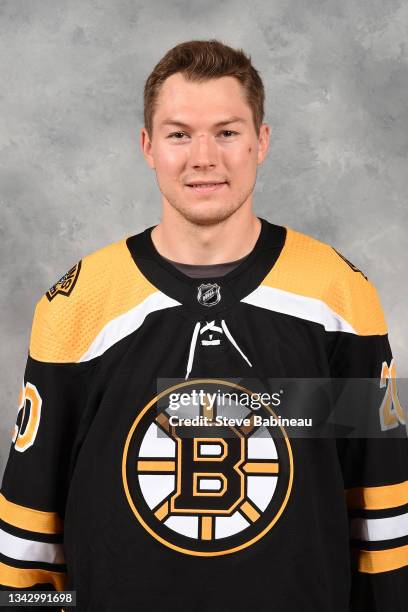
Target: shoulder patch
x=65 y=284
x=352 y=266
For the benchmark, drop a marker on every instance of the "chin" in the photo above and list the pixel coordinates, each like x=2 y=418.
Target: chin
x=206 y=213
x=207 y=217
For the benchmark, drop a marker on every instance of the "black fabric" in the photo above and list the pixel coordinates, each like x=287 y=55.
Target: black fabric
x=233 y=286
x=93 y=459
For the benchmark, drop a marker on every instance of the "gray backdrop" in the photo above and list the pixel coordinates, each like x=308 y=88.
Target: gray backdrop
x=72 y=177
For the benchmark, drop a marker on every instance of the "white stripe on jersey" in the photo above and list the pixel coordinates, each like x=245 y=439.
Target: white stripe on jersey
x=30 y=550
x=299 y=306
x=127 y=323
x=373 y=530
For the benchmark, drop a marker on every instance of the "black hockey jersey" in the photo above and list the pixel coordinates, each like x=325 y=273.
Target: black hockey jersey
x=151 y=466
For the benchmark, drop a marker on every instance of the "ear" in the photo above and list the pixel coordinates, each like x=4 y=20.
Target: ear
x=146 y=146
x=263 y=142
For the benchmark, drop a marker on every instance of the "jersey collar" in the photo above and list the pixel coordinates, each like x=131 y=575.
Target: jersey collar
x=212 y=295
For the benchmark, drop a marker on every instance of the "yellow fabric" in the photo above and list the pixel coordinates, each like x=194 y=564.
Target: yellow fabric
x=378 y=498
x=377 y=561
x=22 y=578
x=311 y=268
x=109 y=284
x=29 y=518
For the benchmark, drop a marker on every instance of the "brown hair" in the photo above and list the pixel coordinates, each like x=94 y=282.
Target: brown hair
x=199 y=60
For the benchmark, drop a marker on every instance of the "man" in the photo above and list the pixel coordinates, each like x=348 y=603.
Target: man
x=130 y=480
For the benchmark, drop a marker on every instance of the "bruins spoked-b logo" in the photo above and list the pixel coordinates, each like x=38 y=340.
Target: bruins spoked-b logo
x=209 y=294
x=66 y=283
x=212 y=480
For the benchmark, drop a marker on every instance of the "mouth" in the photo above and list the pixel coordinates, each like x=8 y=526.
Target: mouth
x=202 y=187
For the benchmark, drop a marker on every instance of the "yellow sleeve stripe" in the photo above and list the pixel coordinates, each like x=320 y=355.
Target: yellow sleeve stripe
x=377 y=498
x=377 y=561
x=19 y=578
x=312 y=269
x=29 y=518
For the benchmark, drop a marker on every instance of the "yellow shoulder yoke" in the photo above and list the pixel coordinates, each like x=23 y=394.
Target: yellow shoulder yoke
x=108 y=285
x=313 y=269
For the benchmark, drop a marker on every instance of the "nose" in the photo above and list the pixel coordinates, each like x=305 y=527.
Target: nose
x=203 y=152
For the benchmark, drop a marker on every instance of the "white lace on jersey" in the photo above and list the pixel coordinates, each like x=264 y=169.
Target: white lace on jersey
x=210 y=326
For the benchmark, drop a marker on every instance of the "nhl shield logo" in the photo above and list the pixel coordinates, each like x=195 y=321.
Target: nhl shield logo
x=209 y=294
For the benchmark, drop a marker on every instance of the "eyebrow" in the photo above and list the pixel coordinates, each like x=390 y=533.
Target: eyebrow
x=170 y=121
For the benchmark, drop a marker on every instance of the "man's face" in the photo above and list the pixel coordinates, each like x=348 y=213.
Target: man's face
x=203 y=133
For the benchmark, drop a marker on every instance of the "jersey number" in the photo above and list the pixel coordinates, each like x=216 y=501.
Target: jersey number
x=391 y=412
x=29 y=402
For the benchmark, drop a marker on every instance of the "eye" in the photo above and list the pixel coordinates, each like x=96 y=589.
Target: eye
x=179 y=135
x=229 y=133
x=176 y=135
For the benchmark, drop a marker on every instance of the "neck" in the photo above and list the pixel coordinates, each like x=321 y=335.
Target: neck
x=183 y=241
